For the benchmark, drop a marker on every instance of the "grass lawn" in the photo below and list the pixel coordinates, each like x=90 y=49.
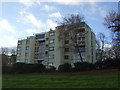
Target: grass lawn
x=104 y=80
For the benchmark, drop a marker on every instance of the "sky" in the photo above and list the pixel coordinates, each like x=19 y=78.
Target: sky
x=22 y=18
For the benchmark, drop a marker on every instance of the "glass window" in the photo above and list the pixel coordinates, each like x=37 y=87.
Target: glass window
x=36 y=56
x=81 y=42
x=82 y=49
x=81 y=34
x=26 y=60
x=41 y=42
x=51 y=48
x=19 y=48
x=51 y=56
x=26 y=54
x=51 y=41
x=52 y=33
x=40 y=36
x=66 y=49
x=27 y=47
x=81 y=38
x=27 y=41
x=40 y=55
x=66 y=57
x=51 y=64
x=36 y=49
x=66 y=41
x=18 y=60
x=77 y=56
x=19 y=54
x=19 y=42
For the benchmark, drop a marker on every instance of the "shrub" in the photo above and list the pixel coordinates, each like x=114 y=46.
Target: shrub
x=65 y=67
x=117 y=62
x=83 y=66
x=91 y=66
x=6 y=69
x=38 y=67
x=108 y=63
x=18 y=68
x=99 y=65
x=111 y=63
x=51 y=69
x=27 y=68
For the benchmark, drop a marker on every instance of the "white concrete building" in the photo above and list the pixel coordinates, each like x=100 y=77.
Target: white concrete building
x=46 y=48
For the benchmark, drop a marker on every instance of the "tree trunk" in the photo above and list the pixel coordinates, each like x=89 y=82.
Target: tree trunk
x=79 y=53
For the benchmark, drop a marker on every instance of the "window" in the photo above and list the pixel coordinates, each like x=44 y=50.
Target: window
x=82 y=49
x=81 y=42
x=27 y=41
x=36 y=49
x=40 y=55
x=26 y=60
x=67 y=34
x=66 y=49
x=52 y=33
x=26 y=54
x=19 y=54
x=40 y=36
x=19 y=42
x=81 y=34
x=66 y=57
x=36 y=56
x=66 y=41
x=41 y=42
x=81 y=38
x=51 y=64
x=51 y=56
x=77 y=56
x=27 y=47
x=51 y=41
x=18 y=60
x=19 y=48
x=51 y=48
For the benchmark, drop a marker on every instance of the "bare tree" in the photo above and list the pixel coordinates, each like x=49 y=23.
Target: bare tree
x=112 y=22
x=4 y=50
x=13 y=51
x=97 y=44
x=102 y=40
x=70 y=27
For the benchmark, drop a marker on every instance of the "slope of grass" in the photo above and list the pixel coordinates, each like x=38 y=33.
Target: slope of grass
x=106 y=80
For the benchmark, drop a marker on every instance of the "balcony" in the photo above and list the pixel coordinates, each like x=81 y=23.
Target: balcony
x=46 y=51
x=47 y=43
x=81 y=43
x=41 y=59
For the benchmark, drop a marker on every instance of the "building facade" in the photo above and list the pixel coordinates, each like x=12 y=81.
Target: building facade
x=46 y=48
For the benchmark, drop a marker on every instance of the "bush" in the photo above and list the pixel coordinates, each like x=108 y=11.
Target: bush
x=117 y=62
x=111 y=63
x=65 y=67
x=18 y=68
x=51 y=69
x=83 y=66
x=38 y=67
x=99 y=65
x=91 y=66
x=108 y=63
x=24 y=68
x=6 y=69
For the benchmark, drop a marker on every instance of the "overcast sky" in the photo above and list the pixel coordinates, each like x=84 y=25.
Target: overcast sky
x=26 y=17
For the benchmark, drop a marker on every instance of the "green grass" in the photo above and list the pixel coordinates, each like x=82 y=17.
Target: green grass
x=106 y=80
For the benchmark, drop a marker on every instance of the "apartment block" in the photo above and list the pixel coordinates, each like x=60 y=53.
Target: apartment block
x=46 y=48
